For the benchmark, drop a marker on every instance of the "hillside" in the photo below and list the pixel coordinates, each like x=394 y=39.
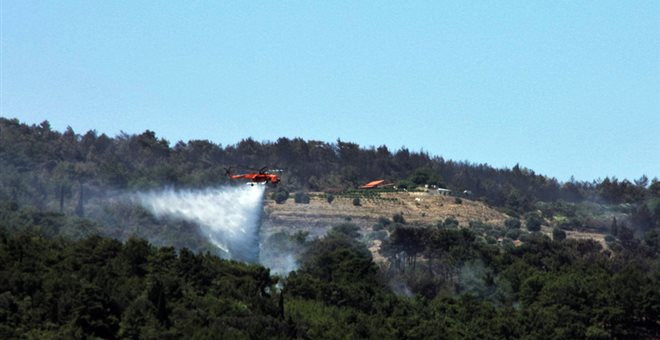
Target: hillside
x=396 y=265
x=418 y=208
x=72 y=173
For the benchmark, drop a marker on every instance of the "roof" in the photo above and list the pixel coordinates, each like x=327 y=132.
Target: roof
x=372 y=184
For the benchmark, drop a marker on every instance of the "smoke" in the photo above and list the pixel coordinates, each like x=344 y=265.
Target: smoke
x=400 y=288
x=280 y=252
x=476 y=279
x=228 y=216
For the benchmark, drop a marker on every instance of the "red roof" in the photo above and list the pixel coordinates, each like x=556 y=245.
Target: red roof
x=372 y=184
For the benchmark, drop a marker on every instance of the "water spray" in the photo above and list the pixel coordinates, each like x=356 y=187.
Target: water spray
x=228 y=216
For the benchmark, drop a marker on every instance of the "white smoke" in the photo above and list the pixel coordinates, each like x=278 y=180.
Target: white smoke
x=280 y=253
x=228 y=216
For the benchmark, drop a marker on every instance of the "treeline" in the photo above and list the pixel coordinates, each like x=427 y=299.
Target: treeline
x=100 y=287
x=49 y=169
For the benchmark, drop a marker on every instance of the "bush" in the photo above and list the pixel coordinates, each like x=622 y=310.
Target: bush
x=330 y=198
x=405 y=184
x=513 y=234
x=450 y=223
x=301 y=197
x=512 y=223
x=558 y=234
x=280 y=196
x=356 y=202
x=457 y=200
x=508 y=243
x=533 y=221
x=349 y=229
x=496 y=233
x=398 y=218
x=384 y=221
x=524 y=236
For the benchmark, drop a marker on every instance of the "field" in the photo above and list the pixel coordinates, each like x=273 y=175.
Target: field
x=418 y=209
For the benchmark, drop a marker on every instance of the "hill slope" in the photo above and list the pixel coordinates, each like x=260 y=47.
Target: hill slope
x=418 y=208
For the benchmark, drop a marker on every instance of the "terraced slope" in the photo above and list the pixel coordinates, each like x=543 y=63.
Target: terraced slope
x=418 y=208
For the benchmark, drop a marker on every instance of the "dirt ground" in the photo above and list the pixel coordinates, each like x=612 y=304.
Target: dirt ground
x=418 y=208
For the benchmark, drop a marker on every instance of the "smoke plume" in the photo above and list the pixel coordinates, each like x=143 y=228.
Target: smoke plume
x=228 y=216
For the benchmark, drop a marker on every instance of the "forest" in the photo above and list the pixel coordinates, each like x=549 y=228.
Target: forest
x=40 y=166
x=73 y=267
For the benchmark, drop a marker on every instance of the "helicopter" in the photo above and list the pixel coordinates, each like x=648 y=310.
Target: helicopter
x=263 y=176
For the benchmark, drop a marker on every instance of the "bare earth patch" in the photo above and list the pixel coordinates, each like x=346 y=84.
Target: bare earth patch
x=418 y=208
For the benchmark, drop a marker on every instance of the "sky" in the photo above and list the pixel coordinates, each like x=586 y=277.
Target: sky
x=565 y=88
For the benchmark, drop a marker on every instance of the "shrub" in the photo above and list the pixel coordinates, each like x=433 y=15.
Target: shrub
x=450 y=223
x=524 y=236
x=513 y=234
x=458 y=200
x=349 y=229
x=356 y=202
x=508 y=243
x=330 y=198
x=405 y=184
x=398 y=218
x=281 y=196
x=533 y=221
x=558 y=234
x=384 y=221
x=512 y=223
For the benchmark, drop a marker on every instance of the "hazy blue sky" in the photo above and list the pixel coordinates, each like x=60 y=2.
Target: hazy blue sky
x=562 y=87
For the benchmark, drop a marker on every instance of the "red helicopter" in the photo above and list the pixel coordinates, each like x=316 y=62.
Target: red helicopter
x=262 y=177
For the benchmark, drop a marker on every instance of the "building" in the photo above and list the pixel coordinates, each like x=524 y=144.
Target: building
x=440 y=191
x=381 y=183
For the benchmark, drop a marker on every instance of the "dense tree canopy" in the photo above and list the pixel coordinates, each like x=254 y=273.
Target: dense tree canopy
x=64 y=274
x=458 y=286
x=42 y=165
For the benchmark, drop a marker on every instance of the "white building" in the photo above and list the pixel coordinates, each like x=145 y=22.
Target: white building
x=440 y=191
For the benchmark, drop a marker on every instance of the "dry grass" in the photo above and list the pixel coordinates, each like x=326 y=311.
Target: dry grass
x=418 y=208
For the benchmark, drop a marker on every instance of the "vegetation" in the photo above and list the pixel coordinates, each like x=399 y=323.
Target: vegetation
x=512 y=223
x=281 y=195
x=441 y=283
x=46 y=168
x=398 y=218
x=558 y=234
x=66 y=274
x=533 y=221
